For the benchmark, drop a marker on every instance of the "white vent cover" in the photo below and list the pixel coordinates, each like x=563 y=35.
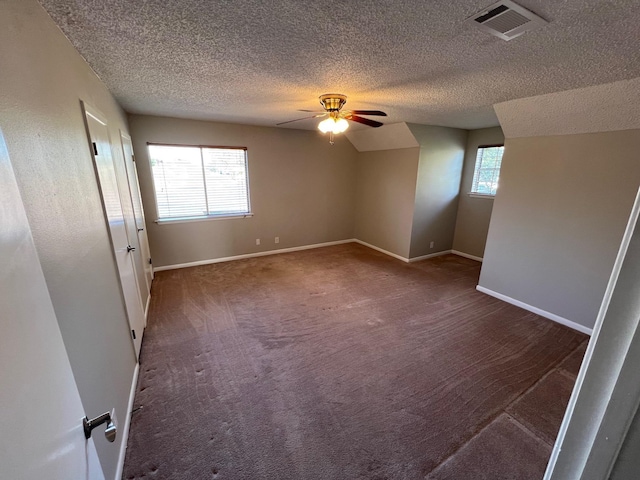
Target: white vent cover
x=506 y=20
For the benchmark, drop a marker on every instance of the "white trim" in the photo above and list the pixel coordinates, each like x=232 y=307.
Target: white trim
x=382 y=250
x=94 y=112
x=430 y=255
x=146 y=308
x=488 y=196
x=251 y=255
x=127 y=423
x=203 y=218
x=306 y=247
x=536 y=310
x=466 y=255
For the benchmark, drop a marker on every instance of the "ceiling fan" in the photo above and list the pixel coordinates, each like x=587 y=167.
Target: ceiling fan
x=337 y=118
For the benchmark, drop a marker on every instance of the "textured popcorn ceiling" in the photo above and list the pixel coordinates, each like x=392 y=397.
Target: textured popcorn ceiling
x=599 y=108
x=257 y=62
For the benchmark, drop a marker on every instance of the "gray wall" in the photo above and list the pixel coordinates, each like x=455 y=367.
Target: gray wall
x=474 y=214
x=301 y=190
x=627 y=465
x=386 y=192
x=607 y=391
x=437 y=187
x=558 y=219
x=42 y=80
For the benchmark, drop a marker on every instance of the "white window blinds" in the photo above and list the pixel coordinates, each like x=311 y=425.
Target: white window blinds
x=193 y=182
x=487 y=170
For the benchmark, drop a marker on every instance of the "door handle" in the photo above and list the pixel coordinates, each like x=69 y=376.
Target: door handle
x=110 y=431
x=140 y=229
x=130 y=248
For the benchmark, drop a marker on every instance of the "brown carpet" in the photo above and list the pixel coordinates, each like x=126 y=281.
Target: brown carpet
x=343 y=363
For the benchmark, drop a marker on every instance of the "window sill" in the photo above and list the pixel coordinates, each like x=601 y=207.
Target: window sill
x=481 y=195
x=163 y=221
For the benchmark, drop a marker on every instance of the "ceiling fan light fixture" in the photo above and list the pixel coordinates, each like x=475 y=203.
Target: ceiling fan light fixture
x=326 y=125
x=333 y=102
x=333 y=125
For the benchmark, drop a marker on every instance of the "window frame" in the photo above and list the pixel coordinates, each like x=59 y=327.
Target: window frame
x=475 y=194
x=200 y=218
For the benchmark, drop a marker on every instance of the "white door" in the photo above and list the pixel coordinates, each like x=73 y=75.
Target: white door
x=138 y=211
x=130 y=226
x=106 y=174
x=41 y=434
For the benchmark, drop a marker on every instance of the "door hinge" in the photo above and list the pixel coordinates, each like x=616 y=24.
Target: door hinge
x=133 y=157
x=133 y=334
x=150 y=262
x=95 y=148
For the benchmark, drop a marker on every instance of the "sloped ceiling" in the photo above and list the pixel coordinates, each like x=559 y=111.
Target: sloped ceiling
x=387 y=137
x=257 y=62
x=599 y=108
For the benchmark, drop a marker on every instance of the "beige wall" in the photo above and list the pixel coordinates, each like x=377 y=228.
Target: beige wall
x=42 y=80
x=474 y=214
x=437 y=188
x=386 y=191
x=301 y=190
x=558 y=220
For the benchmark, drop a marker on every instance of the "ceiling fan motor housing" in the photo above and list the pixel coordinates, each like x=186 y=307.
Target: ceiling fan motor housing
x=333 y=102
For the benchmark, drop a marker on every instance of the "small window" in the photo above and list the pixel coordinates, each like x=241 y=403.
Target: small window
x=487 y=171
x=199 y=182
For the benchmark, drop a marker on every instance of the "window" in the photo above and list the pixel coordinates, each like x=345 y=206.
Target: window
x=199 y=182
x=487 y=171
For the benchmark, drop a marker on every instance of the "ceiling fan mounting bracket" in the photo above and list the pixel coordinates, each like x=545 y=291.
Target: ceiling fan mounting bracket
x=333 y=102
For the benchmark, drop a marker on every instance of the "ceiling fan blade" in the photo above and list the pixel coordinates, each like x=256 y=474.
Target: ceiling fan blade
x=369 y=112
x=365 y=121
x=311 y=111
x=304 y=118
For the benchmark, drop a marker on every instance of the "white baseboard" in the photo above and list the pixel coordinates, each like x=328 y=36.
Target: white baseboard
x=536 y=310
x=127 y=423
x=307 y=247
x=466 y=255
x=430 y=255
x=382 y=250
x=251 y=255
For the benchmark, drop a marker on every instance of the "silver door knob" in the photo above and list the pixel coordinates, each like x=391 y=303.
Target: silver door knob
x=130 y=248
x=111 y=430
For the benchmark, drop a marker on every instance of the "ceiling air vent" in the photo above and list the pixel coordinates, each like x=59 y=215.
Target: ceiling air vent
x=506 y=20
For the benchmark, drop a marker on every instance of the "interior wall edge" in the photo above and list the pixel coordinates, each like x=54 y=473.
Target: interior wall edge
x=538 y=311
x=385 y=198
x=437 y=190
x=474 y=213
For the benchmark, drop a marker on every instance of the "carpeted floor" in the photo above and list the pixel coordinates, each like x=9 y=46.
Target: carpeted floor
x=343 y=363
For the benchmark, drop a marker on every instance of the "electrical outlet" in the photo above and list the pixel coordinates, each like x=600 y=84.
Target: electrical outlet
x=432 y=244
x=277 y=240
x=257 y=241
